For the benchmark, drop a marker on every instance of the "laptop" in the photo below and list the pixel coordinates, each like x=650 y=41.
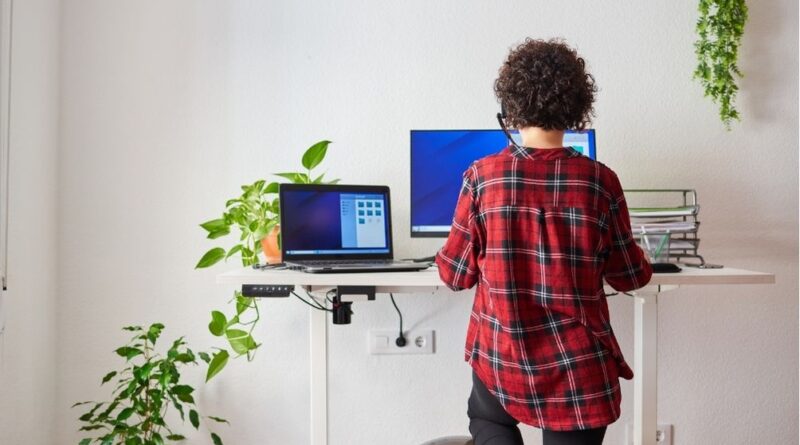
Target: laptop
x=333 y=228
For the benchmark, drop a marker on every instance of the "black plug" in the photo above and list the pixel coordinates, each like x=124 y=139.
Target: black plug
x=401 y=339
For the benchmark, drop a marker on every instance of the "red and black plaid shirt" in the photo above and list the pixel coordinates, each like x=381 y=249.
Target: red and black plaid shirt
x=538 y=231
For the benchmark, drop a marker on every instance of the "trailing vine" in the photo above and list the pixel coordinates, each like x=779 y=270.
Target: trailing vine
x=719 y=36
x=253 y=214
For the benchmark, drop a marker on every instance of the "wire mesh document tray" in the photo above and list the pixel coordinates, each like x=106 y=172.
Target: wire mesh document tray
x=668 y=211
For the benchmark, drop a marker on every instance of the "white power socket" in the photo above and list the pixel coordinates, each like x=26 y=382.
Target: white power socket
x=417 y=342
x=663 y=434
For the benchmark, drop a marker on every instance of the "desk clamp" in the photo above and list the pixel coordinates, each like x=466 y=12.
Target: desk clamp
x=342 y=310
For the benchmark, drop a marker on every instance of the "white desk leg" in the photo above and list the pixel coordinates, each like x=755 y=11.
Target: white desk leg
x=319 y=377
x=645 y=381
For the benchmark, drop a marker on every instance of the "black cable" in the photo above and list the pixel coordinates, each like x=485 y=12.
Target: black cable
x=401 y=340
x=319 y=308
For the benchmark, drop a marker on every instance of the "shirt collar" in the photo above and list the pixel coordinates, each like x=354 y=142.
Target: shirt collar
x=543 y=154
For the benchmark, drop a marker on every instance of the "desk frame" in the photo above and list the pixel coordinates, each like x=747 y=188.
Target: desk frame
x=645 y=366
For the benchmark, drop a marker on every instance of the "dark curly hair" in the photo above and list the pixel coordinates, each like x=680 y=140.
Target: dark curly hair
x=544 y=83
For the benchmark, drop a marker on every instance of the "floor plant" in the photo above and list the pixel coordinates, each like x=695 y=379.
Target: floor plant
x=146 y=390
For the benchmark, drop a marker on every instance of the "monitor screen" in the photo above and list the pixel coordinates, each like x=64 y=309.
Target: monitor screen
x=334 y=222
x=440 y=157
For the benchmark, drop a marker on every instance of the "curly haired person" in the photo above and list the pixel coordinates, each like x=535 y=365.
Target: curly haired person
x=537 y=228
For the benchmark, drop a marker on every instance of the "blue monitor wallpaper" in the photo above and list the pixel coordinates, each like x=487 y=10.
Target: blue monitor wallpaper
x=440 y=157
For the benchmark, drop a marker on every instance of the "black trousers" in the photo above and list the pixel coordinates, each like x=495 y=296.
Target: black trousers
x=490 y=424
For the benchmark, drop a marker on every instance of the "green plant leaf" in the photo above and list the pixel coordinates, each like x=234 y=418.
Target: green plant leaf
x=233 y=251
x=297 y=178
x=185 y=357
x=142 y=374
x=217 y=364
x=128 y=352
x=215 y=225
x=241 y=342
x=219 y=233
x=218 y=419
x=108 y=377
x=211 y=257
x=194 y=418
x=216 y=439
x=125 y=414
x=164 y=378
x=242 y=304
x=85 y=442
x=218 y=323
x=261 y=231
x=88 y=415
x=204 y=356
x=182 y=389
x=315 y=154
x=154 y=331
x=273 y=187
x=175 y=437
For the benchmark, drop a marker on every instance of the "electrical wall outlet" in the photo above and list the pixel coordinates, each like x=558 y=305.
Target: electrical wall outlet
x=417 y=342
x=663 y=434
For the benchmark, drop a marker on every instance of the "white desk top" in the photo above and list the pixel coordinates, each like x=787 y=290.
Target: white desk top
x=430 y=278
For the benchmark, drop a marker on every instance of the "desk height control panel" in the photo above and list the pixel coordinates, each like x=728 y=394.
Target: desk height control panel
x=266 y=290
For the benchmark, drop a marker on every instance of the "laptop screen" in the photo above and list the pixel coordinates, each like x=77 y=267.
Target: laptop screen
x=339 y=221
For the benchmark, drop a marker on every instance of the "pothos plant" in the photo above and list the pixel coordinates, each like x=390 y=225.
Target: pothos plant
x=147 y=389
x=719 y=36
x=253 y=214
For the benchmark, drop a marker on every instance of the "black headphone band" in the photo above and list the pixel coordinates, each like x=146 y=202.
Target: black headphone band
x=501 y=120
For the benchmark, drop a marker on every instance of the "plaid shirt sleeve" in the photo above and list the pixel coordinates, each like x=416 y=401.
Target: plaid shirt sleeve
x=626 y=268
x=458 y=258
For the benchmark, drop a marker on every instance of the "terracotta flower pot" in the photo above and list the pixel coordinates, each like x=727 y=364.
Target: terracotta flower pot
x=269 y=245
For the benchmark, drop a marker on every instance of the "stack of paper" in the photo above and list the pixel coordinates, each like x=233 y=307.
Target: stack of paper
x=663 y=227
x=650 y=212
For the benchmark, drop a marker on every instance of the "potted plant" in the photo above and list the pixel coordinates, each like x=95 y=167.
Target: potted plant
x=255 y=216
x=146 y=391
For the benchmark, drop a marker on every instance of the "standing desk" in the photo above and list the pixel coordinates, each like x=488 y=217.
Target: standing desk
x=645 y=392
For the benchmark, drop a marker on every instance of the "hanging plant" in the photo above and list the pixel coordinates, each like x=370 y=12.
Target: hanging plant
x=719 y=31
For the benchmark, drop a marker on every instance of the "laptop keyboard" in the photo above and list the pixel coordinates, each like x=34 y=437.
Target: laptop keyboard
x=343 y=262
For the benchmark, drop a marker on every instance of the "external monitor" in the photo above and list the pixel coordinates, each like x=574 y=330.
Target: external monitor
x=440 y=157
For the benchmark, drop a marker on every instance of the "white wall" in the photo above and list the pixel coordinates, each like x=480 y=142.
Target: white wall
x=168 y=106
x=28 y=358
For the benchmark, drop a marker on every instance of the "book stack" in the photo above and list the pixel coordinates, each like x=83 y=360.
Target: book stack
x=672 y=212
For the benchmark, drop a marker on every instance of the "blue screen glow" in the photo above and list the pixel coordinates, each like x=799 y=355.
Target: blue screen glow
x=333 y=222
x=440 y=157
